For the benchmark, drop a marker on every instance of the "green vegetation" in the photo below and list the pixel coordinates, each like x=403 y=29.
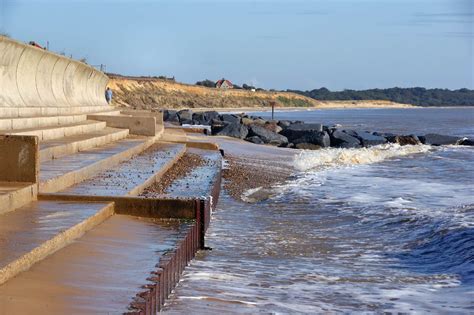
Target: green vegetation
x=415 y=96
x=207 y=83
x=293 y=102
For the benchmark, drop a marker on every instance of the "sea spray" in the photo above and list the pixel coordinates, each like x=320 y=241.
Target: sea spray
x=320 y=159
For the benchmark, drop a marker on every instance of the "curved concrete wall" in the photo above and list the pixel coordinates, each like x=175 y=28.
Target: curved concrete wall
x=34 y=78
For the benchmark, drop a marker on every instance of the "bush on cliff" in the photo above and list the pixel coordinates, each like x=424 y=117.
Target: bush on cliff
x=206 y=83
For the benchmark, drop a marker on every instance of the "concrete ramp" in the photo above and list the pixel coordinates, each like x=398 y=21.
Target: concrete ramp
x=37 y=82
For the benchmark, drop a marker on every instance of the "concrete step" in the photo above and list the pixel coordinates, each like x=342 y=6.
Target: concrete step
x=35 y=231
x=55 y=132
x=56 y=148
x=173 y=134
x=100 y=273
x=45 y=121
x=15 y=195
x=138 y=125
x=57 y=174
x=133 y=176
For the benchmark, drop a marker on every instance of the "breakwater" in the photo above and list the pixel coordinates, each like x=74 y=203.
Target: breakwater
x=300 y=135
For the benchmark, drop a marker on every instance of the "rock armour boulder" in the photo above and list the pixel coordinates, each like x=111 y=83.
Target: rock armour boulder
x=267 y=136
x=235 y=130
x=321 y=139
x=368 y=139
x=185 y=114
x=435 y=139
x=297 y=131
x=340 y=139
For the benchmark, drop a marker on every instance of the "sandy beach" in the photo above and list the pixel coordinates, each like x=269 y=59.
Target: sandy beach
x=321 y=105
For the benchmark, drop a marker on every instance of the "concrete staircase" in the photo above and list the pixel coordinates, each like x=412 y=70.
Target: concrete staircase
x=81 y=174
x=71 y=172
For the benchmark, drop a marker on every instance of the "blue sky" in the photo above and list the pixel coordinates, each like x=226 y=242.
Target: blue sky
x=299 y=44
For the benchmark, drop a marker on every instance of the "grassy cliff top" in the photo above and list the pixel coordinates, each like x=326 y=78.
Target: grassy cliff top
x=146 y=93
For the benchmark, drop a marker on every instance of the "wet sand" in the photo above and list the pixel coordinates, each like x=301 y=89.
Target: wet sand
x=98 y=274
x=320 y=105
x=243 y=174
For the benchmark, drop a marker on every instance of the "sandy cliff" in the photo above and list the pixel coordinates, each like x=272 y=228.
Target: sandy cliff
x=147 y=93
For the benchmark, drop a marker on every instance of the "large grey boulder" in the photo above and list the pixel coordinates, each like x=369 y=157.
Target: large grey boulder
x=369 y=139
x=247 y=121
x=296 y=131
x=467 y=142
x=386 y=135
x=234 y=130
x=320 y=139
x=217 y=125
x=435 y=139
x=170 y=116
x=230 y=118
x=200 y=119
x=255 y=140
x=205 y=118
x=340 y=139
x=284 y=124
x=266 y=135
x=211 y=115
x=259 y=121
x=185 y=114
x=351 y=132
x=273 y=126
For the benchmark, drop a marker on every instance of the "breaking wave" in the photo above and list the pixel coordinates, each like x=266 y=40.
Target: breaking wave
x=320 y=159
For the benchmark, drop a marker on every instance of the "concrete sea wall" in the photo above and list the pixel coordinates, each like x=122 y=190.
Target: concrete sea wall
x=37 y=82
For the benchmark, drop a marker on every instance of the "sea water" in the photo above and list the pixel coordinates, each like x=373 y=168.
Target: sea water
x=383 y=229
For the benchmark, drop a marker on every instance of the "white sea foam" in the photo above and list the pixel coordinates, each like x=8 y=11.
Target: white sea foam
x=196 y=126
x=246 y=196
x=308 y=160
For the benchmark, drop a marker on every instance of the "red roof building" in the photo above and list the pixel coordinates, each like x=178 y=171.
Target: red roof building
x=224 y=84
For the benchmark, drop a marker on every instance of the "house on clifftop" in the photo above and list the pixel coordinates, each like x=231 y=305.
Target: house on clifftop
x=224 y=84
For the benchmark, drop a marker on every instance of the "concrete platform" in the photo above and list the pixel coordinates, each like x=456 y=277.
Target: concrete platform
x=133 y=176
x=53 y=149
x=55 y=132
x=100 y=273
x=15 y=195
x=32 y=232
x=56 y=175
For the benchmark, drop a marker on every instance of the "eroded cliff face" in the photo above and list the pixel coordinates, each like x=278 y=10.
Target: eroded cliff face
x=147 y=93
